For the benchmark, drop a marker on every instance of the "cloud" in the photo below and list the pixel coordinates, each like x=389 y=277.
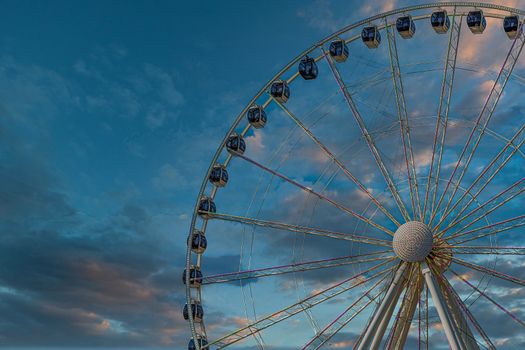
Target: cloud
x=169 y=178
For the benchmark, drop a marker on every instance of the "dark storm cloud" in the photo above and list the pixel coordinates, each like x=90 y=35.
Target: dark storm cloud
x=68 y=280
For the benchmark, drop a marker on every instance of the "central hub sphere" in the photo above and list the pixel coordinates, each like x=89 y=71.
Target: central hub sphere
x=413 y=241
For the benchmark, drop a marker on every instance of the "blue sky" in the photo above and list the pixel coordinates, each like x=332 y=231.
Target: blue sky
x=110 y=115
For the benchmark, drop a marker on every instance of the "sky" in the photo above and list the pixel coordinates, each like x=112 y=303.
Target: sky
x=110 y=114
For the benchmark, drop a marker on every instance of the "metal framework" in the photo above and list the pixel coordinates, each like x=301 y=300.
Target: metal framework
x=404 y=122
x=460 y=211
x=445 y=98
x=482 y=122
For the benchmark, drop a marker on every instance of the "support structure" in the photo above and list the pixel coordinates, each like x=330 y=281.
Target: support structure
x=444 y=316
x=401 y=328
x=463 y=330
x=375 y=331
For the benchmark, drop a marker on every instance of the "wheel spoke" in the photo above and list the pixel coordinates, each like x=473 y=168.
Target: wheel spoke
x=300 y=229
x=344 y=318
x=482 y=121
x=477 y=250
x=490 y=205
x=491 y=229
x=442 y=115
x=480 y=292
x=404 y=123
x=341 y=166
x=490 y=171
x=296 y=267
x=368 y=138
x=318 y=195
x=304 y=304
x=491 y=272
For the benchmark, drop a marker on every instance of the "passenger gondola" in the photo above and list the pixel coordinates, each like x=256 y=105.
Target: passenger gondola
x=280 y=91
x=406 y=27
x=197 y=312
x=206 y=206
x=201 y=340
x=371 y=37
x=195 y=276
x=476 y=21
x=256 y=116
x=512 y=26
x=236 y=144
x=339 y=50
x=219 y=175
x=308 y=68
x=198 y=242
x=440 y=21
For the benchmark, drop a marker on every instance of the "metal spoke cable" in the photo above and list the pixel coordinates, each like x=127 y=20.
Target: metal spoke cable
x=306 y=303
x=480 y=292
x=341 y=166
x=404 y=123
x=491 y=229
x=368 y=138
x=300 y=229
x=491 y=272
x=497 y=250
x=344 y=318
x=482 y=121
x=442 y=115
x=490 y=171
x=309 y=190
x=296 y=267
x=489 y=206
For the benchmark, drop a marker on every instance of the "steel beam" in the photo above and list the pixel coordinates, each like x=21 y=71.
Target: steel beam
x=375 y=331
x=441 y=310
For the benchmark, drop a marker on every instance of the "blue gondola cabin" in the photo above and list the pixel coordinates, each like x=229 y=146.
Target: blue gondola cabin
x=371 y=37
x=440 y=21
x=406 y=27
x=339 y=50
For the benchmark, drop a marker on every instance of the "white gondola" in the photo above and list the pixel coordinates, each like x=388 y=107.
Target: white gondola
x=406 y=27
x=280 y=91
x=476 y=21
x=339 y=50
x=440 y=21
x=371 y=37
x=512 y=26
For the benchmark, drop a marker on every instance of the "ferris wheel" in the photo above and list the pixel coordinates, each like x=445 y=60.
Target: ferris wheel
x=370 y=195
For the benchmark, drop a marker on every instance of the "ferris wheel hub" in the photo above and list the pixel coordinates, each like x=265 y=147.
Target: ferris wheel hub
x=413 y=241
